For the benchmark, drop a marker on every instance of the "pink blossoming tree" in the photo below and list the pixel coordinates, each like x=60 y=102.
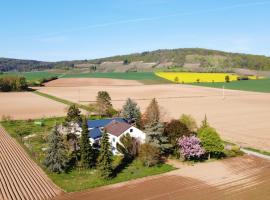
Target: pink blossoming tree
x=190 y=147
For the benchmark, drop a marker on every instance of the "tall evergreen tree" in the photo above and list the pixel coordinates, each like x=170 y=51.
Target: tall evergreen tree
x=104 y=105
x=155 y=137
x=152 y=113
x=131 y=111
x=87 y=152
x=56 y=159
x=73 y=114
x=105 y=157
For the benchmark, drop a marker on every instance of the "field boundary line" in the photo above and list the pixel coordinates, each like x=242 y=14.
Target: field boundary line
x=64 y=101
x=257 y=153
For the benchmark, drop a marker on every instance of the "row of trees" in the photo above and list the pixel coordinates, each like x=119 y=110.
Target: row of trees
x=13 y=83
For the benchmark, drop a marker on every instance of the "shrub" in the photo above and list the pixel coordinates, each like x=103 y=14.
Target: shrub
x=211 y=142
x=128 y=146
x=190 y=147
x=149 y=155
x=227 y=79
x=233 y=151
x=175 y=130
x=189 y=121
x=13 y=83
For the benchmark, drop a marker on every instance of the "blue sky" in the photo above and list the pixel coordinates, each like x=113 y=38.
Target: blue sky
x=54 y=30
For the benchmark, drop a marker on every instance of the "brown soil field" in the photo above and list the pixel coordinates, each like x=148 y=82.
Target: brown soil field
x=20 y=177
x=27 y=105
x=240 y=117
x=77 y=82
x=242 y=178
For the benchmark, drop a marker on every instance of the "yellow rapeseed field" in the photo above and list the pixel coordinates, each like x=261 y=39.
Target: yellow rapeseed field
x=189 y=77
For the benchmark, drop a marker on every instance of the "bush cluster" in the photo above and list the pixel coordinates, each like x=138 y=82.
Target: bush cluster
x=13 y=83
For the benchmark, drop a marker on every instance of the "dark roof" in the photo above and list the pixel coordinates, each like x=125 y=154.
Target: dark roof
x=96 y=125
x=117 y=128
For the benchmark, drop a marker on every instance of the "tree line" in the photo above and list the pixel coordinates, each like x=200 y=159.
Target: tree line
x=13 y=83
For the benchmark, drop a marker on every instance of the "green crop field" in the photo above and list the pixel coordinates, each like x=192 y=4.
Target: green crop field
x=145 y=77
x=262 y=85
x=33 y=76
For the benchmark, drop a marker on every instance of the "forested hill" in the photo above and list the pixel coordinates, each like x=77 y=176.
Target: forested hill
x=10 y=64
x=192 y=58
x=201 y=57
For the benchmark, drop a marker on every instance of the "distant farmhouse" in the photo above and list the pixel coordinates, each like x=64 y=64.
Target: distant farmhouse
x=115 y=127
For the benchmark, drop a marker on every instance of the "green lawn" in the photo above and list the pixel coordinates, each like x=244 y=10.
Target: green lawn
x=34 y=145
x=76 y=179
x=262 y=85
x=89 y=178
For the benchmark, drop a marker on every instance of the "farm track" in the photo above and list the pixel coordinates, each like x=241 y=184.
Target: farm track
x=20 y=177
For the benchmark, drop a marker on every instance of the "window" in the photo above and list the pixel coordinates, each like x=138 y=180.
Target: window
x=131 y=130
x=113 y=139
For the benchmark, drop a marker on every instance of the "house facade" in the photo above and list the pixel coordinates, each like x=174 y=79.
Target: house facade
x=115 y=128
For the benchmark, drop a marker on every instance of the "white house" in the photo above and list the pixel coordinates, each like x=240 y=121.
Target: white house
x=117 y=129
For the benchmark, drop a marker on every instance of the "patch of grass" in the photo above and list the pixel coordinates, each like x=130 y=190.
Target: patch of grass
x=258 y=151
x=33 y=145
x=90 y=178
x=64 y=101
x=262 y=85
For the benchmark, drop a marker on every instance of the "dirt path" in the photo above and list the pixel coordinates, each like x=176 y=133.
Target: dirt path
x=244 y=178
x=20 y=177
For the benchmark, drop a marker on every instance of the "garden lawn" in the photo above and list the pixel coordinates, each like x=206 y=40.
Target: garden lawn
x=34 y=144
x=84 y=179
x=262 y=85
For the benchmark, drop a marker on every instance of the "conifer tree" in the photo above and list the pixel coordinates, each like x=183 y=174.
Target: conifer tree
x=74 y=114
x=87 y=152
x=105 y=157
x=104 y=105
x=56 y=159
x=131 y=111
x=155 y=137
x=152 y=113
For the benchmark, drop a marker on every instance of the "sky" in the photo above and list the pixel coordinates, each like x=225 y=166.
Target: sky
x=54 y=30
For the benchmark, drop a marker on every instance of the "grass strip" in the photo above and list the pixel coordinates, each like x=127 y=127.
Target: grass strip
x=266 y=153
x=64 y=101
